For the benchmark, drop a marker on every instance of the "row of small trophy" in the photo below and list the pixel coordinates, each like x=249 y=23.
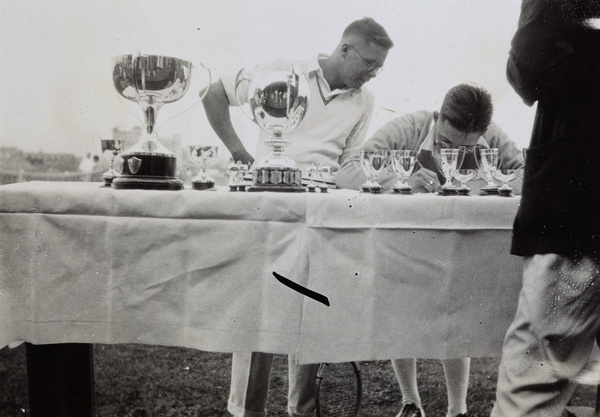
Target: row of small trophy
x=452 y=163
x=201 y=155
x=317 y=176
x=277 y=102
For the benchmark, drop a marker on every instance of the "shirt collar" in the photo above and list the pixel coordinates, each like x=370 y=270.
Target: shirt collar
x=313 y=66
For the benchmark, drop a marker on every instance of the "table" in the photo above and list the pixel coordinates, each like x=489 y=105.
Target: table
x=407 y=276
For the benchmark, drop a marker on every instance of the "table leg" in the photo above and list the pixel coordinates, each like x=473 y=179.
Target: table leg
x=61 y=380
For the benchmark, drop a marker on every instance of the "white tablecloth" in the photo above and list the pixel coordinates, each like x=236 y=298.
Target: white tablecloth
x=406 y=276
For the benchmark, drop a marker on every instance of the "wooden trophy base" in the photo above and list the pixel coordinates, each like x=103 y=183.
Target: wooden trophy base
x=147 y=171
x=146 y=183
x=277 y=188
x=203 y=185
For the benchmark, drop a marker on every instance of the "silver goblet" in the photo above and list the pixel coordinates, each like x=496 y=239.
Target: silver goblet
x=111 y=149
x=505 y=176
x=466 y=168
x=464 y=176
x=152 y=81
x=488 y=163
x=203 y=155
x=375 y=162
x=403 y=164
x=326 y=174
x=365 y=166
x=237 y=172
x=277 y=101
x=448 y=163
x=311 y=172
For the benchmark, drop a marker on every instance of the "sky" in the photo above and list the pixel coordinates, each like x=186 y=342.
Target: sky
x=56 y=84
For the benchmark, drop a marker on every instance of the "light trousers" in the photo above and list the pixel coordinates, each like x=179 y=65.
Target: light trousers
x=456 y=373
x=250 y=377
x=551 y=337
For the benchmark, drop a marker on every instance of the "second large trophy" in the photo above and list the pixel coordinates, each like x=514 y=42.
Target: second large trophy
x=277 y=102
x=151 y=81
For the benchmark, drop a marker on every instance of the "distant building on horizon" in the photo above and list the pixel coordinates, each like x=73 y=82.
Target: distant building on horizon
x=17 y=165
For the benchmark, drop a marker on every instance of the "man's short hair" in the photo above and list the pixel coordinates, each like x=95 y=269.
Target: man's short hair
x=370 y=31
x=468 y=108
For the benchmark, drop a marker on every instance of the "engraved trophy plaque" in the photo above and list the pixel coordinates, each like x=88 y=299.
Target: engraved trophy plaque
x=278 y=101
x=151 y=81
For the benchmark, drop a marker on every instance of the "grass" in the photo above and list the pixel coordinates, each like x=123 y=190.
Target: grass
x=156 y=381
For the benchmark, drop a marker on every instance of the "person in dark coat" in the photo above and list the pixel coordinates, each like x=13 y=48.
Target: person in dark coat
x=555 y=61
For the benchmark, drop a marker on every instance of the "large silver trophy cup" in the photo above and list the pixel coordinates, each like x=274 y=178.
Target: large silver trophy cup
x=278 y=101
x=151 y=81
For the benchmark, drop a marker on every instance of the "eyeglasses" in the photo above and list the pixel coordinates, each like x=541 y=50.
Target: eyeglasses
x=371 y=65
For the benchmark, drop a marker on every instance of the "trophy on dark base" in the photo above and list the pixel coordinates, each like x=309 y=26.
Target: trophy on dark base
x=488 y=163
x=403 y=164
x=505 y=175
x=151 y=81
x=278 y=101
x=448 y=165
x=111 y=148
x=203 y=155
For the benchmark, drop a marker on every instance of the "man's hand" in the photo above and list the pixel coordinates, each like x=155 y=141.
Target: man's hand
x=424 y=181
x=216 y=107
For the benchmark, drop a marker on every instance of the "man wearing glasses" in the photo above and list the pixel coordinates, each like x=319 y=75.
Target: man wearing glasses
x=339 y=111
x=463 y=120
x=335 y=124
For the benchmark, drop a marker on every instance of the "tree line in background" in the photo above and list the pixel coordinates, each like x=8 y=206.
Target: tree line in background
x=17 y=165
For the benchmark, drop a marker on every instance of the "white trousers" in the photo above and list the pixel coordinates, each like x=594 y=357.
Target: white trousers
x=250 y=377
x=551 y=338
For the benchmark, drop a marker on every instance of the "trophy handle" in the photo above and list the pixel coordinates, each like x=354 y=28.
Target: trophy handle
x=239 y=78
x=293 y=80
x=208 y=85
x=196 y=103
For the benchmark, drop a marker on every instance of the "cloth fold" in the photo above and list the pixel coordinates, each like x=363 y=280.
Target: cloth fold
x=406 y=276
